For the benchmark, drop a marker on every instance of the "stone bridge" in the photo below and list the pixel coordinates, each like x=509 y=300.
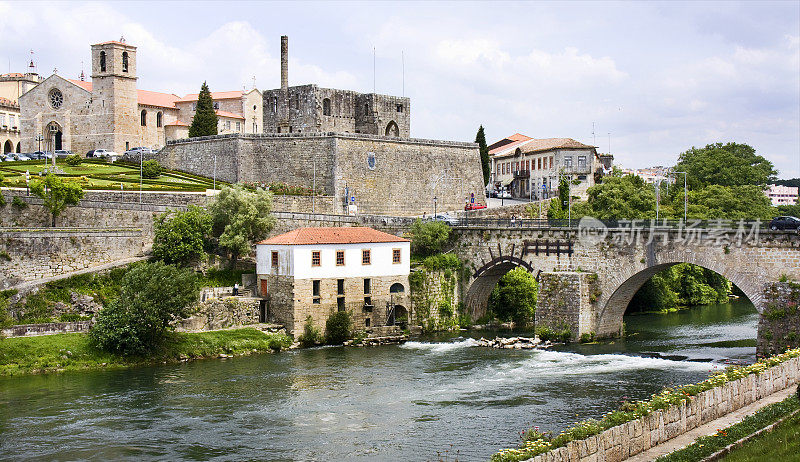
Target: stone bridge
x=587 y=279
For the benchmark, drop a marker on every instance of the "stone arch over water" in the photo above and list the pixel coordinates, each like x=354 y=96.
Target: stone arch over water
x=486 y=277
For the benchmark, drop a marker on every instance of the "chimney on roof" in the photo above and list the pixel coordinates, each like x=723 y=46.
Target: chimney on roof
x=285 y=63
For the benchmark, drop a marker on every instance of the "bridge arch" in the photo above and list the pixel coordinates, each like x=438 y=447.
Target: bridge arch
x=625 y=285
x=485 y=278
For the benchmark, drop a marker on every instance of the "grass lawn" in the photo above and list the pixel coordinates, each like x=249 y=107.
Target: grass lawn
x=63 y=352
x=101 y=175
x=707 y=445
x=781 y=444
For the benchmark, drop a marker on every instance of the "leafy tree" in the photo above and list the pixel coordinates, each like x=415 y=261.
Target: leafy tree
x=204 y=122
x=428 y=238
x=795 y=182
x=151 y=297
x=181 y=237
x=622 y=197
x=729 y=164
x=151 y=169
x=514 y=297
x=480 y=138
x=733 y=203
x=655 y=295
x=791 y=210
x=240 y=218
x=338 y=328
x=56 y=194
x=683 y=284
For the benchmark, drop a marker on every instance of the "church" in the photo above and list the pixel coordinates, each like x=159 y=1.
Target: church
x=110 y=112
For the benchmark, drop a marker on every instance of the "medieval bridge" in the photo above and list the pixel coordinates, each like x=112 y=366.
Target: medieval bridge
x=589 y=273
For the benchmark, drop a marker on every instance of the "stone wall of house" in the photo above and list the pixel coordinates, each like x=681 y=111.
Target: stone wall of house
x=31 y=254
x=567 y=300
x=779 y=324
x=626 y=440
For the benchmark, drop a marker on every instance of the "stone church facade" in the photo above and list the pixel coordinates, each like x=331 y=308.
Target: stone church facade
x=110 y=112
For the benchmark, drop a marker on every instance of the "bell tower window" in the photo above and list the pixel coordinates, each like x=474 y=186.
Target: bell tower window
x=124 y=61
x=102 y=61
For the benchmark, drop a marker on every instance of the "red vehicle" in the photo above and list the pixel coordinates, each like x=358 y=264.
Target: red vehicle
x=474 y=206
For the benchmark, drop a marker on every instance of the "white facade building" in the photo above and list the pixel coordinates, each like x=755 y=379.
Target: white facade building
x=782 y=195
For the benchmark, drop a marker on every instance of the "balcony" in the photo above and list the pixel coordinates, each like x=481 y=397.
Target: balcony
x=522 y=174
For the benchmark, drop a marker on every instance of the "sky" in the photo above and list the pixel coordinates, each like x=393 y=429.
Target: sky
x=647 y=80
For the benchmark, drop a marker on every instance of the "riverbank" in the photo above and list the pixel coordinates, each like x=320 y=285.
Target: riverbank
x=68 y=352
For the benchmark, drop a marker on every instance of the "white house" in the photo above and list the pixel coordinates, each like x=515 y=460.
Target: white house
x=318 y=271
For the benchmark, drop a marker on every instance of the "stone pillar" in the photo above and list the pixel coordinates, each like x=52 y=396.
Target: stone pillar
x=779 y=323
x=568 y=300
x=285 y=64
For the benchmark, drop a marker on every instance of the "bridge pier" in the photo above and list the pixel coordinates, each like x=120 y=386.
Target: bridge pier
x=570 y=300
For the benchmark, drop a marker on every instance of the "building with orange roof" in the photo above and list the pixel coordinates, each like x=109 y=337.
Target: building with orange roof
x=110 y=112
x=531 y=168
x=319 y=271
x=12 y=85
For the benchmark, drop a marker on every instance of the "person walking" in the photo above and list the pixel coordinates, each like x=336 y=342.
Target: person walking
x=236 y=289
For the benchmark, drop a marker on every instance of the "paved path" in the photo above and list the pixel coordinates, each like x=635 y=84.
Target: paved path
x=23 y=287
x=681 y=441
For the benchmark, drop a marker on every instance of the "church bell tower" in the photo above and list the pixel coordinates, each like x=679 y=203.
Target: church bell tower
x=114 y=98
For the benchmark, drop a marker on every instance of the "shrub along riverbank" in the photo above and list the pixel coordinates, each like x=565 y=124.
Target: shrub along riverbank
x=67 y=352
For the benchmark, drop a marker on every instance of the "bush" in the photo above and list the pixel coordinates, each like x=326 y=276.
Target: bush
x=152 y=296
x=428 y=238
x=514 y=297
x=73 y=160
x=338 y=328
x=279 y=342
x=311 y=335
x=151 y=169
x=181 y=237
x=18 y=203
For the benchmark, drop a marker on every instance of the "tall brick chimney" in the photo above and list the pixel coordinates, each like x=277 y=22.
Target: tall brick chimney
x=284 y=63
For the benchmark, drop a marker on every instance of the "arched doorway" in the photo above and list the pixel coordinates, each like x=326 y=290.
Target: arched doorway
x=398 y=316
x=19 y=148
x=53 y=134
x=8 y=146
x=392 y=129
x=397 y=288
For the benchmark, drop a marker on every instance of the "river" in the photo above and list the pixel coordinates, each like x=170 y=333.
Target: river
x=436 y=398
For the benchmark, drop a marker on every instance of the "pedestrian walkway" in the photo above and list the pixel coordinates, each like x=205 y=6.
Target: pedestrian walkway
x=681 y=441
x=26 y=286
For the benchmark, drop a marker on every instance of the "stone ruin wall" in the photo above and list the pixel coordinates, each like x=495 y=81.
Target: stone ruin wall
x=779 y=324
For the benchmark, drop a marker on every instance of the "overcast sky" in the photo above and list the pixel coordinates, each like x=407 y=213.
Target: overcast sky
x=660 y=77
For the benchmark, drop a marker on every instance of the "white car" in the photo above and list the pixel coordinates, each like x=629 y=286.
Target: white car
x=504 y=194
x=103 y=153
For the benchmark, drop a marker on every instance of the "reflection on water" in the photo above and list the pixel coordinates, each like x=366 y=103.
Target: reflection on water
x=411 y=402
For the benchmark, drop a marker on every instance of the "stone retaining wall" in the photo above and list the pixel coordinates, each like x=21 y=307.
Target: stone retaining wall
x=31 y=254
x=779 y=324
x=631 y=438
x=32 y=330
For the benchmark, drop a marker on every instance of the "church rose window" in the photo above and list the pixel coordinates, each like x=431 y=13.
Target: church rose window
x=56 y=98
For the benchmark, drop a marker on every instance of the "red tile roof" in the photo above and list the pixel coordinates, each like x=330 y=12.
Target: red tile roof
x=177 y=123
x=12 y=74
x=229 y=115
x=8 y=103
x=145 y=97
x=354 y=235
x=215 y=95
x=538 y=145
x=519 y=137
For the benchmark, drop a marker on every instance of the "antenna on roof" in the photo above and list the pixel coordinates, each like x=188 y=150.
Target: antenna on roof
x=609 y=142
x=373 y=70
x=594 y=137
x=82 y=76
x=32 y=66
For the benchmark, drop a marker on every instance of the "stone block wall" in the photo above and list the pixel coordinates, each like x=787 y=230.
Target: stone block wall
x=50 y=328
x=567 y=300
x=435 y=297
x=623 y=441
x=779 y=324
x=39 y=253
x=222 y=313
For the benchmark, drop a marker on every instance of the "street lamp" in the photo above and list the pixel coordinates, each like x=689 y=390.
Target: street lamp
x=40 y=138
x=215 y=172
x=141 y=172
x=53 y=131
x=434 y=207
x=685 y=197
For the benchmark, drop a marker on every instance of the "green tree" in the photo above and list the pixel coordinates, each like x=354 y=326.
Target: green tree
x=730 y=202
x=429 y=237
x=480 y=138
x=338 y=328
x=514 y=297
x=56 y=194
x=310 y=336
x=729 y=164
x=151 y=169
x=240 y=218
x=622 y=197
x=152 y=296
x=181 y=237
x=204 y=122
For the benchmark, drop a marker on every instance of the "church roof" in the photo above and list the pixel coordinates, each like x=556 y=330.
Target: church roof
x=229 y=115
x=178 y=123
x=145 y=97
x=352 y=235
x=215 y=95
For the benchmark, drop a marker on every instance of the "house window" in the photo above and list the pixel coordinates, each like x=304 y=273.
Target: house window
x=238 y=126
x=581 y=162
x=399 y=108
x=159 y=119
x=144 y=118
x=340 y=258
x=551 y=162
x=315 y=260
x=366 y=257
x=124 y=61
x=367 y=286
x=315 y=297
x=396 y=256
x=340 y=287
x=227 y=125
x=274 y=258
x=568 y=161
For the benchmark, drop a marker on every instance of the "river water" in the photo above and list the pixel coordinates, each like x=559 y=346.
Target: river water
x=438 y=398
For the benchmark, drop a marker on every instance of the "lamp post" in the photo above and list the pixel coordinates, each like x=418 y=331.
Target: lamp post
x=53 y=131
x=215 y=172
x=434 y=207
x=685 y=197
x=141 y=171
x=40 y=138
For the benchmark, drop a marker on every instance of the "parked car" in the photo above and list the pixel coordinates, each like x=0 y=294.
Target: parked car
x=8 y=158
x=504 y=194
x=445 y=218
x=138 y=151
x=41 y=155
x=785 y=223
x=103 y=153
x=22 y=157
x=474 y=206
x=63 y=153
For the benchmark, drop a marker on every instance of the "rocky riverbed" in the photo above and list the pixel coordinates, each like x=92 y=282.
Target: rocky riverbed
x=515 y=343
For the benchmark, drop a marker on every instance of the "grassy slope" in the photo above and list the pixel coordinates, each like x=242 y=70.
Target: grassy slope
x=782 y=443
x=51 y=353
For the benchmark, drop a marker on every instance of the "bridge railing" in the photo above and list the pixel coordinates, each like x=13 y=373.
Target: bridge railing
x=528 y=223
